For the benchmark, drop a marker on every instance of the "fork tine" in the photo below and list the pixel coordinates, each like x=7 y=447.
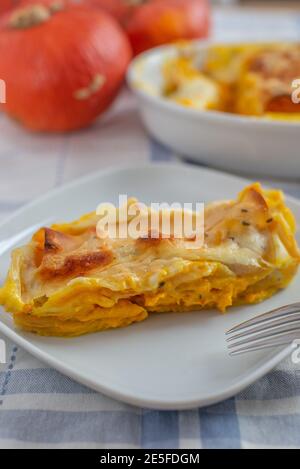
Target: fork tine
x=251 y=348
x=257 y=338
x=266 y=326
x=276 y=313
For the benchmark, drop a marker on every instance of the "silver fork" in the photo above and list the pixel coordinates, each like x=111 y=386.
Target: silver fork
x=278 y=327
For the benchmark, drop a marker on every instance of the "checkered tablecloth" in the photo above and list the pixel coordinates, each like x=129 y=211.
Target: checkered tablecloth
x=41 y=408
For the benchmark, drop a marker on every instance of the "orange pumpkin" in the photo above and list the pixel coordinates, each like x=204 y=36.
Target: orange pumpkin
x=150 y=23
x=6 y=5
x=158 y=22
x=117 y=8
x=63 y=66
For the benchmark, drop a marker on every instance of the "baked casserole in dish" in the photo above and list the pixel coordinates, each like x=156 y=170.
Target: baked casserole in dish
x=246 y=79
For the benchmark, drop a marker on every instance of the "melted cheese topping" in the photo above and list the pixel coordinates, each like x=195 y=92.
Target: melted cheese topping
x=250 y=79
x=67 y=281
x=185 y=85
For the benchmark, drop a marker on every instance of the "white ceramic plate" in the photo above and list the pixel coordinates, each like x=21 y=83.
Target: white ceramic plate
x=170 y=361
x=235 y=143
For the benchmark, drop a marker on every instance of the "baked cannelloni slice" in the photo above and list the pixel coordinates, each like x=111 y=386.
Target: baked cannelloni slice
x=69 y=281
